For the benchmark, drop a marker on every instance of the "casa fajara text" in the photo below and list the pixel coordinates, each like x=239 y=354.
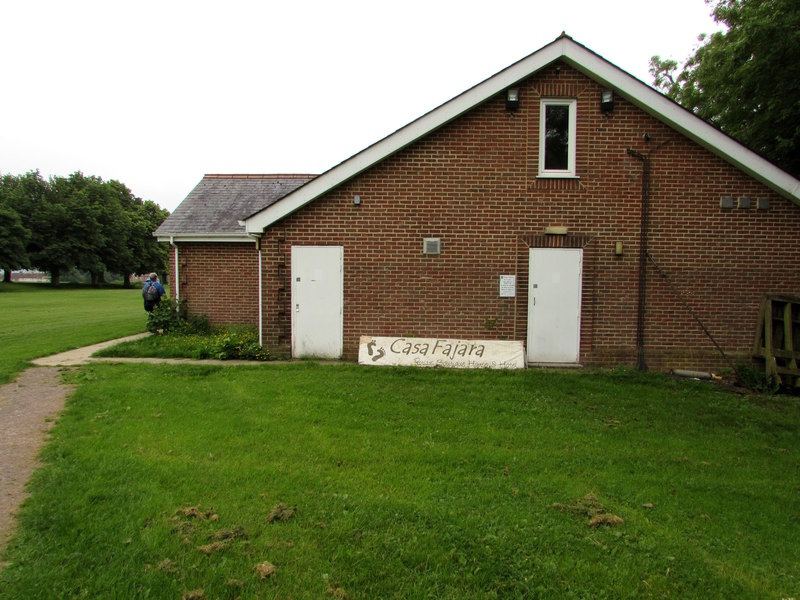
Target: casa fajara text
x=436 y=352
x=447 y=348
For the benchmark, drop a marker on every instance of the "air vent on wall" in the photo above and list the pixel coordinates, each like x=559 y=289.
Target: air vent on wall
x=431 y=246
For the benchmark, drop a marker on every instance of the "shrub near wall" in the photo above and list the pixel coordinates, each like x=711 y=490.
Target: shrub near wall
x=178 y=334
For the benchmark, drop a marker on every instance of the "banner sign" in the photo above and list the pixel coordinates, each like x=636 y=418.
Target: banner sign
x=435 y=352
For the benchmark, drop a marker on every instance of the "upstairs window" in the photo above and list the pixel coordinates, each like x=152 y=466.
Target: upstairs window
x=557 y=124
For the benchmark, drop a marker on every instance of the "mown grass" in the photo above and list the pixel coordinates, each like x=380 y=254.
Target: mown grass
x=410 y=484
x=38 y=320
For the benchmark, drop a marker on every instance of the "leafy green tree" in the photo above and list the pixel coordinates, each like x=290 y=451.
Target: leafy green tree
x=37 y=203
x=120 y=238
x=140 y=252
x=103 y=244
x=78 y=222
x=13 y=234
x=118 y=224
x=745 y=80
x=19 y=195
x=148 y=254
x=69 y=225
x=12 y=242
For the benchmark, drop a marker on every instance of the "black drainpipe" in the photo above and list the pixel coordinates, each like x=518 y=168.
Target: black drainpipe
x=644 y=231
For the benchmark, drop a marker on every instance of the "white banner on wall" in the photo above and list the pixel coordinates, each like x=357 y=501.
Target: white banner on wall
x=435 y=352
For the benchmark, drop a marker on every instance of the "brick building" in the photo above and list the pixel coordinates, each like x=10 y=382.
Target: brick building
x=561 y=202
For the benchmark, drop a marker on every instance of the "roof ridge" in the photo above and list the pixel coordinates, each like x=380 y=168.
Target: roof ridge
x=257 y=176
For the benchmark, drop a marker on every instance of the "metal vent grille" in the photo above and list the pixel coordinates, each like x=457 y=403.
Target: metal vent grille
x=431 y=246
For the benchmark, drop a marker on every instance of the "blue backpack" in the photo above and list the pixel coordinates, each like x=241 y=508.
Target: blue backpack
x=150 y=293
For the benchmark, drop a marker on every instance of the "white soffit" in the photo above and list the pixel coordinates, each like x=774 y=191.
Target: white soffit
x=582 y=59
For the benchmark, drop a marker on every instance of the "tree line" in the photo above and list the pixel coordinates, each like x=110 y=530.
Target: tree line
x=77 y=222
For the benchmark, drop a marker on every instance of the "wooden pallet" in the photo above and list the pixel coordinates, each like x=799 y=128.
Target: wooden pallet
x=778 y=338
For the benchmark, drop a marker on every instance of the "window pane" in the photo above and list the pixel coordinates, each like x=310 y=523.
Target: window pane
x=556 y=141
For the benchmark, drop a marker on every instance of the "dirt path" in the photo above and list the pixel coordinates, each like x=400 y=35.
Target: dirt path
x=28 y=409
x=30 y=406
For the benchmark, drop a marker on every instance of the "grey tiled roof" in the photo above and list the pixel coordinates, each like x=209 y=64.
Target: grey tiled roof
x=218 y=202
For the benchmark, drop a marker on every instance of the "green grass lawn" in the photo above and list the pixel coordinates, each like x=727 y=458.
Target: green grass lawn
x=160 y=481
x=38 y=320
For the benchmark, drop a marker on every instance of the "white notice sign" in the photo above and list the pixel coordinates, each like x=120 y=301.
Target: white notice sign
x=434 y=352
x=508 y=286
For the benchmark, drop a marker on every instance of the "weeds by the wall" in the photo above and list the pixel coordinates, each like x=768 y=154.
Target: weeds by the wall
x=753 y=378
x=183 y=335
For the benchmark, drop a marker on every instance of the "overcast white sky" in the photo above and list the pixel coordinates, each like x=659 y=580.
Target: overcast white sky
x=156 y=93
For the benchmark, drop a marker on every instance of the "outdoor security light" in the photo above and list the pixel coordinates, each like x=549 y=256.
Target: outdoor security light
x=607 y=100
x=512 y=99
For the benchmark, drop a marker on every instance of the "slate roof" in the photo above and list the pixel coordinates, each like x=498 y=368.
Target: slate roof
x=217 y=204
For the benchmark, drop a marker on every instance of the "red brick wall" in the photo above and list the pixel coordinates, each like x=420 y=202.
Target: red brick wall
x=473 y=183
x=230 y=270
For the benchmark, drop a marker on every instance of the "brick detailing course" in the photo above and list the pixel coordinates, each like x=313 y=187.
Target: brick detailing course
x=473 y=184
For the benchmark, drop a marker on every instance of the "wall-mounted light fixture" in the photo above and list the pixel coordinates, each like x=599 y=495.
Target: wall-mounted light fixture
x=356 y=200
x=618 y=249
x=607 y=100
x=512 y=99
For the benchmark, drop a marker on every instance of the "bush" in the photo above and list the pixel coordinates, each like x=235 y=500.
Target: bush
x=236 y=343
x=165 y=317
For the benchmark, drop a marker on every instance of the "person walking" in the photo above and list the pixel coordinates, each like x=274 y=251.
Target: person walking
x=152 y=292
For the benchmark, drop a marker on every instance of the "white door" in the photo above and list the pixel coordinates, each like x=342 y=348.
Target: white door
x=317 y=289
x=554 y=305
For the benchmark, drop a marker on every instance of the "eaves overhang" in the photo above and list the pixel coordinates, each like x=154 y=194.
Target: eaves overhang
x=565 y=49
x=204 y=237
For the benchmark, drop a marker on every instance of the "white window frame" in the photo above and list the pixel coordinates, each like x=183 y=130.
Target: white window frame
x=572 y=104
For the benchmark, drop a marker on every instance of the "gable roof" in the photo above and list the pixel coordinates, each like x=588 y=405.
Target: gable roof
x=564 y=49
x=214 y=208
